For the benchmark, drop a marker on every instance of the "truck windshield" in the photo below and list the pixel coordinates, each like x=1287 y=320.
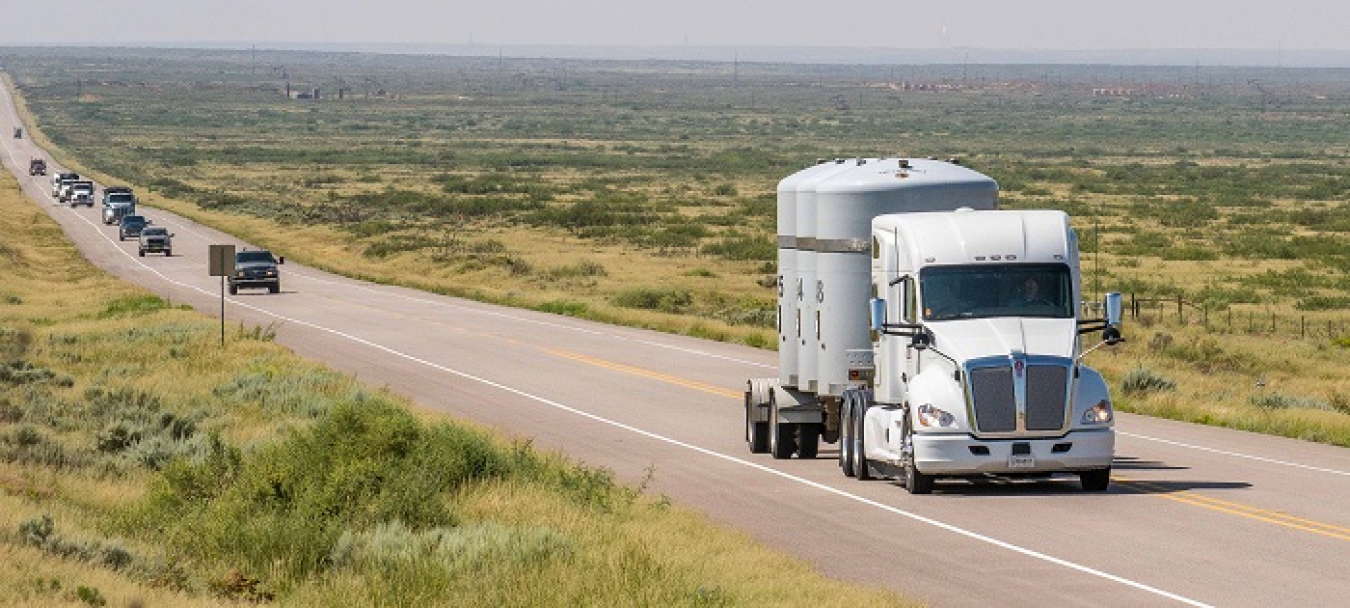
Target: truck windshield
x=996 y=290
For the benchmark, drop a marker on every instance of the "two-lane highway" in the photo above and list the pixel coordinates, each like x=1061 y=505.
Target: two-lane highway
x=1196 y=515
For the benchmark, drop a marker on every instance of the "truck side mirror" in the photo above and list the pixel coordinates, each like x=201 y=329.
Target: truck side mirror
x=877 y=306
x=1114 y=308
x=1114 y=312
x=281 y=260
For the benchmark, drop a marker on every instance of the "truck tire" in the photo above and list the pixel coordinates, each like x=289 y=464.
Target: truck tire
x=782 y=435
x=234 y=289
x=756 y=433
x=846 y=434
x=168 y=253
x=1096 y=480
x=142 y=252
x=860 y=470
x=916 y=482
x=274 y=288
x=808 y=440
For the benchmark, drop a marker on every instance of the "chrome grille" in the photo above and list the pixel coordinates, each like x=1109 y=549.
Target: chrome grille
x=1046 y=389
x=994 y=391
x=995 y=406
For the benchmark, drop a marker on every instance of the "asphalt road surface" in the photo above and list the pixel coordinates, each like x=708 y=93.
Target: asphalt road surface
x=1195 y=515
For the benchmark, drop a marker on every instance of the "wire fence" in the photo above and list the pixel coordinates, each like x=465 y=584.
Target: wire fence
x=1178 y=310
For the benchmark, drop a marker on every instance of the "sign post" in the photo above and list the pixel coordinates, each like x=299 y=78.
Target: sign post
x=221 y=265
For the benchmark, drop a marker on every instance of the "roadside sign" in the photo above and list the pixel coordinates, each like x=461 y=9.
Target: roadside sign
x=222 y=260
x=221 y=265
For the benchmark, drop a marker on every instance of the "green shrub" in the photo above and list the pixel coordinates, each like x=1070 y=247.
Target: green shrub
x=745 y=248
x=1281 y=401
x=724 y=189
x=563 y=307
x=654 y=298
x=1143 y=381
x=1323 y=303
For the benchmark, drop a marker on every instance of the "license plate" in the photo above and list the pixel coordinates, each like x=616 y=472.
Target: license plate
x=1021 y=461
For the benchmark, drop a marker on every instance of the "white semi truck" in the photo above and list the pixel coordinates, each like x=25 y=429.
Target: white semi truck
x=928 y=333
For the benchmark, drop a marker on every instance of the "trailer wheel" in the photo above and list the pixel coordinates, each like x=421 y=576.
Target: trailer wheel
x=756 y=433
x=860 y=470
x=808 y=440
x=846 y=435
x=782 y=435
x=1097 y=480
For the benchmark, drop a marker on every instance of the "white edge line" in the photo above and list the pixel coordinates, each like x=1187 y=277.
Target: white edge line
x=1235 y=454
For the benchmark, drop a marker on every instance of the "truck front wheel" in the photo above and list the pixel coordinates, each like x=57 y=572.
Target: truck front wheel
x=859 y=418
x=916 y=482
x=1096 y=480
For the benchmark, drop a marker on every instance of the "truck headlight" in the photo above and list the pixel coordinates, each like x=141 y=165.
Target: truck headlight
x=929 y=415
x=1098 y=414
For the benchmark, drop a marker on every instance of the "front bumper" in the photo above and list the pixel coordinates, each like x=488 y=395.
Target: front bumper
x=966 y=455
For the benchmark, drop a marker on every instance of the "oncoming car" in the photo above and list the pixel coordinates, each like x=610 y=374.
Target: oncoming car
x=256 y=268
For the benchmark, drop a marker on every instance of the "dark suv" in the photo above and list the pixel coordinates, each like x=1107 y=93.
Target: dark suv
x=130 y=227
x=256 y=268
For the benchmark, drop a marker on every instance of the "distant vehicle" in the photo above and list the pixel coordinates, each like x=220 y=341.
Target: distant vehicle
x=37 y=166
x=156 y=239
x=81 y=193
x=131 y=226
x=113 y=214
x=113 y=195
x=256 y=268
x=61 y=179
x=118 y=201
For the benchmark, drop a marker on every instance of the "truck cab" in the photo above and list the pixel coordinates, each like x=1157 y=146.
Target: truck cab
x=81 y=193
x=118 y=201
x=978 y=342
x=60 y=180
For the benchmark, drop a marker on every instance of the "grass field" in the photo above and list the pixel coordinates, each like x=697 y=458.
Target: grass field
x=143 y=465
x=642 y=193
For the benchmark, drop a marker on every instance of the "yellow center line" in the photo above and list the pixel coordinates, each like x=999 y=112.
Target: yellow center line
x=1161 y=491
x=646 y=373
x=1241 y=510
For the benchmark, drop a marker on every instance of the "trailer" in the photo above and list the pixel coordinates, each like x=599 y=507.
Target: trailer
x=929 y=334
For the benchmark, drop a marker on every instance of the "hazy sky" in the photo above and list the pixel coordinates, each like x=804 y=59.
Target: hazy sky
x=984 y=24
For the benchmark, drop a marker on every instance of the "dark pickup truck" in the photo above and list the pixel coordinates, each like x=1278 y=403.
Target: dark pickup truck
x=256 y=268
